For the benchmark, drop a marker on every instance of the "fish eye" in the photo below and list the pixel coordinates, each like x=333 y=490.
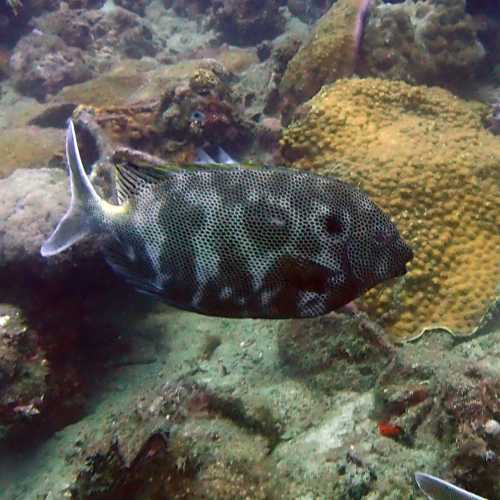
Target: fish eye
x=334 y=224
x=197 y=116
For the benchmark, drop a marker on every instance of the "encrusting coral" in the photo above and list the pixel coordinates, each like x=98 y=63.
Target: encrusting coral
x=329 y=54
x=426 y=158
x=434 y=42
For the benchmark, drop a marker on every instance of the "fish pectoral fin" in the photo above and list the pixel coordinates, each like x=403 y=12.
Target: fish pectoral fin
x=305 y=275
x=134 y=271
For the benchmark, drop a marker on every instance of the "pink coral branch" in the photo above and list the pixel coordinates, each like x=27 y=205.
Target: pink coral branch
x=363 y=9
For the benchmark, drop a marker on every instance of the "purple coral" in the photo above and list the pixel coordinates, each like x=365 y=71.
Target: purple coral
x=363 y=9
x=494 y=119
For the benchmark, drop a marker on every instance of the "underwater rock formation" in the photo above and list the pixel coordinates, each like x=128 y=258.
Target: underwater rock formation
x=329 y=54
x=43 y=64
x=24 y=199
x=137 y=6
x=308 y=10
x=171 y=125
x=247 y=22
x=453 y=404
x=70 y=46
x=23 y=373
x=243 y=23
x=185 y=438
x=425 y=157
x=103 y=34
x=188 y=7
x=30 y=147
x=432 y=42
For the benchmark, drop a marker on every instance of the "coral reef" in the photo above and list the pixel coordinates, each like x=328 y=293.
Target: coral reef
x=137 y=6
x=243 y=23
x=173 y=124
x=104 y=34
x=425 y=157
x=256 y=417
x=105 y=394
x=449 y=402
x=247 y=22
x=43 y=64
x=70 y=46
x=329 y=54
x=431 y=42
x=23 y=374
x=422 y=42
x=308 y=10
x=24 y=199
x=188 y=7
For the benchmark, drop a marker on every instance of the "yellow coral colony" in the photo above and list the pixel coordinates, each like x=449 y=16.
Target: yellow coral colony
x=424 y=156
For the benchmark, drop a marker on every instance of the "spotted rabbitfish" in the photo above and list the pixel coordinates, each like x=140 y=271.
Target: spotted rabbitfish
x=235 y=241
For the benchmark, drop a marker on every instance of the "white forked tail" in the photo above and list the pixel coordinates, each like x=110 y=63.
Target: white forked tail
x=439 y=489
x=79 y=220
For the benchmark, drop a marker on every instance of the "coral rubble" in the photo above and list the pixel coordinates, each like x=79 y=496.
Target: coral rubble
x=425 y=157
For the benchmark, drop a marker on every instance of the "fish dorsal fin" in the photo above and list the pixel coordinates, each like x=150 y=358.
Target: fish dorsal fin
x=132 y=179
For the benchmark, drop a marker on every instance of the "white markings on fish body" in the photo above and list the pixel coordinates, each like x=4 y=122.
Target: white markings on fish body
x=226 y=293
x=253 y=195
x=267 y=296
x=130 y=253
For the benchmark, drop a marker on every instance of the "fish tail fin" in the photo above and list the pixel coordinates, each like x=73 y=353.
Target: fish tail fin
x=82 y=216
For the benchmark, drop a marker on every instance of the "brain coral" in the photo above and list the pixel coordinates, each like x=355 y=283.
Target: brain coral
x=426 y=158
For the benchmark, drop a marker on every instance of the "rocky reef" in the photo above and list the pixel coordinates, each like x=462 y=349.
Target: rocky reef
x=196 y=111
x=345 y=413
x=329 y=54
x=106 y=394
x=423 y=42
x=426 y=157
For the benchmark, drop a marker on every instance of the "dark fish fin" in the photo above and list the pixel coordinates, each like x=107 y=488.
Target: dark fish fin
x=203 y=158
x=130 y=179
x=132 y=271
x=221 y=157
x=305 y=275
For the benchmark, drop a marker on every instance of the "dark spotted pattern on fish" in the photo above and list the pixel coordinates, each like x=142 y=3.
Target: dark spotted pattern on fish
x=243 y=242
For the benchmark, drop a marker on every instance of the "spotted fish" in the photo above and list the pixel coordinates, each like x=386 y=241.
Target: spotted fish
x=234 y=241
